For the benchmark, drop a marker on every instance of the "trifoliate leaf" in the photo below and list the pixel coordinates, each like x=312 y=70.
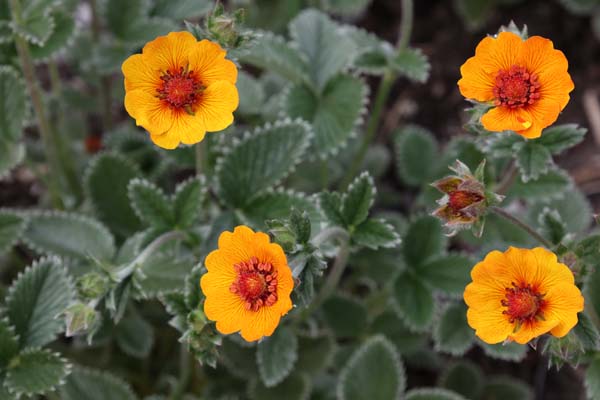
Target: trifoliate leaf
x=361 y=377
x=448 y=273
x=276 y=356
x=561 y=137
x=36 y=371
x=277 y=205
x=11 y=228
x=411 y=63
x=574 y=210
x=358 y=199
x=533 y=160
x=35 y=301
x=334 y=113
x=90 y=384
x=331 y=206
x=315 y=353
x=162 y=273
x=398 y=332
x=452 y=334
x=325 y=48
x=416 y=155
x=345 y=315
x=252 y=95
x=150 y=203
x=375 y=233
x=423 y=240
x=106 y=181
x=135 y=336
x=9 y=343
x=12 y=105
x=464 y=378
x=35 y=24
x=413 y=301
x=69 y=235
x=188 y=200
x=59 y=39
x=553 y=227
x=547 y=186
x=587 y=333
x=261 y=160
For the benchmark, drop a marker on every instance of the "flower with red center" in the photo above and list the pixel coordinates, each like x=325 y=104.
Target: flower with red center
x=180 y=88
x=248 y=284
x=526 y=81
x=521 y=294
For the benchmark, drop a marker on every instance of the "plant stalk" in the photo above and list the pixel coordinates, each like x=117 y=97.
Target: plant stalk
x=527 y=228
x=508 y=179
x=185 y=373
x=201 y=158
x=105 y=81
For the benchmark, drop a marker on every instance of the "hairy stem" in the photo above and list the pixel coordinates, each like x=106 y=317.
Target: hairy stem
x=383 y=91
x=185 y=373
x=105 y=81
x=508 y=179
x=201 y=158
x=527 y=228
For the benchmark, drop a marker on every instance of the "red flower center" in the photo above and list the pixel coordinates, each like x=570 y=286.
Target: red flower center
x=523 y=304
x=180 y=90
x=515 y=87
x=256 y=283
x=459 y=199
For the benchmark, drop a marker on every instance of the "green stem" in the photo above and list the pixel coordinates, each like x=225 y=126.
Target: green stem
x=38 y=107
x=530 y=230
x=105 y=81
x=201 y=158
x=185 y=373
x=383 y=91
x=508 y=179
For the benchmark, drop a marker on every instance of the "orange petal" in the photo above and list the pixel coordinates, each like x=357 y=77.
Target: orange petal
x=256 y=325
x=148 y=111
x=227 y=309
x=502 y=52
x=215 y=282
x=538 y=55
x=563 y=302
x=139 y=75
x=218 y=102
x=476 y=83
x=500 y=119
x=170 y=52
x=189 y=128
x=531 y=330
x=166 y=140
x=208 y=60
x=491 y=327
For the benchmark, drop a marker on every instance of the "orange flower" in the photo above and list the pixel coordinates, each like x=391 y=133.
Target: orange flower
x=521 y=294
x=526 y=80
x=179 y=88
x=248 y=284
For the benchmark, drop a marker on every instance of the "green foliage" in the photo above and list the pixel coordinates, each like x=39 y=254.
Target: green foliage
x=505 y=351
x=244 y=172
x=315 y=353
x=413 y=301
x=60 y=37
x=361 y=377
x=375 y=233
x=35 y=301
x=135 y=336
x=551 y=184
x=150 y=203
x=592 y=380
x=89 y=384
x=106 y=181
x=452 y=334
x=561 y=137
x=11 y=228
x=12 y=117
x=35 y=371
x=502 y=387
x=464 y=378
x=423 y=240
x=432 y=394
x=416 y=155
x=276 y=356
x=34 y=22
x=448 y=273
x=346 y=316
x=69 y=235
x=295 y=387
x=411 y=63
x=533 y=159
x=9 y=343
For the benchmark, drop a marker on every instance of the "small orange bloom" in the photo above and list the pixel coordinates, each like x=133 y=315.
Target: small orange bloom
x=180 y=88
x=521 y=294
x=526 y=80
x=248 y=284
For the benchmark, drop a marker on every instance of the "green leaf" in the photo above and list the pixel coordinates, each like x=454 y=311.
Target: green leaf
x=574 y=209
x=345 y=315
x=412 y=63
x=592 y=380
x=134 y=336
x=69 y=235
x=452 y=334
x=416 y=155
x=358 y=199
x=59 y=39
x=294 y=387
x=592 y=289
x=474 y=13
x=533 y=160
x=504 y=387
x=362 y=377
x=549 y=185
x=424 y=239
x=252 y=94
x=276 y=356
x=346 y=7
x=90 y=384
x=11 y=229
x=239 y=359
x=37 y=371
x=12 y=116
x=9 y=343
x=372 y=53
x=142 y=30
x=315 y=353
x=106 y=181
x=334 y=113
x=326 y=49
x=510 y=351
x=162 y=273
x=587 y=333
x=432 y=394
x=413 y=301
x=188 y=200
x=36 y=299
x=272 y=53
x=330 y=204
x=150 y=203
x=465 y=378
x=580 y=7
x=121 y=14
x=553 y=227
x=261 y=160
x=181 y=9
x=502 y=144
x=559 y=138
x=396 y=330
x=448 y=273
x=376 y=233
x=35 y=23
x=277 y=205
